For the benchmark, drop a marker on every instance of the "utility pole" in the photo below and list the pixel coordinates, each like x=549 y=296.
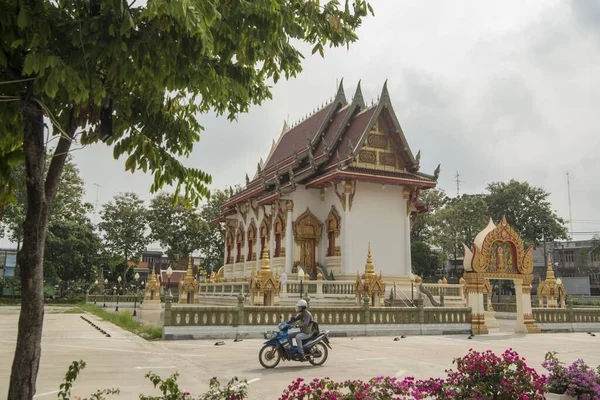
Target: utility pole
x=96 y=205
x=570 y=216
x=457 y=184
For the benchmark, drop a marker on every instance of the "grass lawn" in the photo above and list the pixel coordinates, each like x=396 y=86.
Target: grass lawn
x=124 y=320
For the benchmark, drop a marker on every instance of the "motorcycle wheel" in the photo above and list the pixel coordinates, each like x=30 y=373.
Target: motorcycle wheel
x=269 y=356
x=318 y=354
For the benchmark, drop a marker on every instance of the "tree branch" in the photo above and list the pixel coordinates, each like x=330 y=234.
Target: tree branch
x=58 y=160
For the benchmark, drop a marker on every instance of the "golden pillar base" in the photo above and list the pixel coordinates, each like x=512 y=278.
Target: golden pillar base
x=478 y=325
x=530 y=324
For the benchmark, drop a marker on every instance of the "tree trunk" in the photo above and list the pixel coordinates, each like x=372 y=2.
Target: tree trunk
x=40 y=195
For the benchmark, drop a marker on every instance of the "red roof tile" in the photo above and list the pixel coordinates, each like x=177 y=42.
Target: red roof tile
x=353 y=134
x=296 y=137
x=333 y=129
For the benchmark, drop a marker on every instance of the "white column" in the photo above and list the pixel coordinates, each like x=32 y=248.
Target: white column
x=271 y=243
x=245 y=265
x=407 y=258
x=521 y=307
x=347 y=266
x=289 y=238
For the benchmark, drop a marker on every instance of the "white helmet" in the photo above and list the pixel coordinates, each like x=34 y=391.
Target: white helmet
x=300 y=304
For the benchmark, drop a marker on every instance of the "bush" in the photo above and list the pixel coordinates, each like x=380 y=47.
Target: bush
x=169 y=388
x=577 y=380
x=478 y=375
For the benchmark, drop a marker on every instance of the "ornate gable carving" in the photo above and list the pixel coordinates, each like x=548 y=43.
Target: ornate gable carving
x=502 y=253
x=307 y=226
x=380 y=149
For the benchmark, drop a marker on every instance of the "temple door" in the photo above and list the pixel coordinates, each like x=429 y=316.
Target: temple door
x=307 y=255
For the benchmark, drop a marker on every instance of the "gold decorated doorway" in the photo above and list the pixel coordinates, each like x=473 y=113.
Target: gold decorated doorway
x=498 y=253
x=307 y=235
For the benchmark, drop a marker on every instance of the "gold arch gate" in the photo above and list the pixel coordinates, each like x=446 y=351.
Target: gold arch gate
x=498 y=253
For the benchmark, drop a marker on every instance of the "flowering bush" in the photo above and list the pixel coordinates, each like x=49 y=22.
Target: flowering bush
x=578 y=380
x=234 y=390
x=477 y=376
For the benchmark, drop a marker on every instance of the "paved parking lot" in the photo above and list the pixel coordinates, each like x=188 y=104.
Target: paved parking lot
x=123 y=359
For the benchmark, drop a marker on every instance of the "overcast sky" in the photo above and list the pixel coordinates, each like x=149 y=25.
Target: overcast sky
x=493 y=90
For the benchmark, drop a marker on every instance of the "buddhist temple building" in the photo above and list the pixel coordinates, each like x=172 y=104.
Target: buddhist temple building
x=330 y=184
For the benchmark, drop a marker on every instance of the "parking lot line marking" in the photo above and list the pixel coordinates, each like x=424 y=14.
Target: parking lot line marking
x=46 y=394
x=370 y=359
x=400 y=373
x=253 y=380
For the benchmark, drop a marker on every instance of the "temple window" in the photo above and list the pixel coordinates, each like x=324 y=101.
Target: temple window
x=333 y=231
x=239 y=241
x=264 y=236
x=251 y=242
x=229 y=248
x=279 y=233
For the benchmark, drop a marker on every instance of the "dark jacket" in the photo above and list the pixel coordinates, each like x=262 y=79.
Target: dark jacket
x=306 y=321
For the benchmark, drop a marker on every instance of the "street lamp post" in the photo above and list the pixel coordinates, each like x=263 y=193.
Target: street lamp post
x=118 y=284
x=301 y=277
x=105 y=283
x=143 y=287
x=136 y=277
x=169 y=273
x=96 y=283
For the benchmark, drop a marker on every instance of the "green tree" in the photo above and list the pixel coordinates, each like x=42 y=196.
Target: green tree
x=72 y=249
x=426 y=262
x=124 y=224
x=136 y=77
x=68 y=203
x=213 y=242
x=527 y=210
x=595 y=248
x=435 y=199
x=458 y=222
x=176 y=227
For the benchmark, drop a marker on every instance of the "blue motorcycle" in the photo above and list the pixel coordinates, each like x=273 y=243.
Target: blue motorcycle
x=279 y=346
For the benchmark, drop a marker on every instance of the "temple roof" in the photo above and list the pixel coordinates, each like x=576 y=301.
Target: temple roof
x=323 y=148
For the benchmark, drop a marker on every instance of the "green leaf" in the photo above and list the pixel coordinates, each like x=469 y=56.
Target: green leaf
x=22 y=19
x=130 y=163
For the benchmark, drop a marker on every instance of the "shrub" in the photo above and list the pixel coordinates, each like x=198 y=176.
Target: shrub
x=578 y=380
x=478 y=375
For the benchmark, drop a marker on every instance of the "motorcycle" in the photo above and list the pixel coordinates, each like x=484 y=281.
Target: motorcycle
x=279 y=346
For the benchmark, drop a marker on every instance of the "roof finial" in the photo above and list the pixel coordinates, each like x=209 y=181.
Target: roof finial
x=369 y=267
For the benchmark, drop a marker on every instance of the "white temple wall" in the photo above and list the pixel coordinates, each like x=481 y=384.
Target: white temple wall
x=379 y=216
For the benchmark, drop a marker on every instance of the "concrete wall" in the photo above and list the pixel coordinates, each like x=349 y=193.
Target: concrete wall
x=379 y=216
x=577 y=285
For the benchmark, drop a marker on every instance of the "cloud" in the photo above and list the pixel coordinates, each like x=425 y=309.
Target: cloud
x=494 y=90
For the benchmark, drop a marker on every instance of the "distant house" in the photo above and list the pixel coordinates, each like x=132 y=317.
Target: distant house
x=572 y=259
x=8 y=262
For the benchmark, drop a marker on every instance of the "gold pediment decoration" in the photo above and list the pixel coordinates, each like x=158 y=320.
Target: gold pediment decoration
x=502 y=253
x=369 y=283
x=189 y=284
x=263 y=281
x=307 y=226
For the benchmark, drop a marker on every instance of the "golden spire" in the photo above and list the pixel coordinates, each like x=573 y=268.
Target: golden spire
x=190 y=269
x=369 y=267
x=265 y=264
x=550 y=272
x=152 y=277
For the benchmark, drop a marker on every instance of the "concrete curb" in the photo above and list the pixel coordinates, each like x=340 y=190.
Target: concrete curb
x=256 y=332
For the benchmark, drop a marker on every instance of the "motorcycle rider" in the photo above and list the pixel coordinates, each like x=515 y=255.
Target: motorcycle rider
x=306 y=326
